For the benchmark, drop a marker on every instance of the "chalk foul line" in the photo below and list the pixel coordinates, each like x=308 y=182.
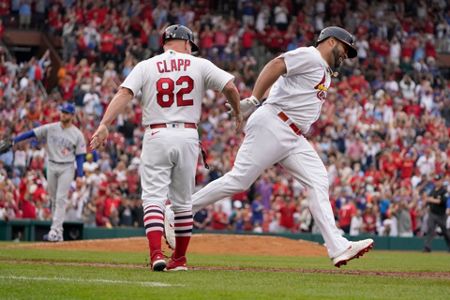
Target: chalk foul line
x=81 y=280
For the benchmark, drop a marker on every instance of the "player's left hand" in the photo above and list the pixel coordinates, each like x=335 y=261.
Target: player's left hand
x=99 y=137
x=6 y=145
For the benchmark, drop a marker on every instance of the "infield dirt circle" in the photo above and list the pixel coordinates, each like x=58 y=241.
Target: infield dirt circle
x=204 y=244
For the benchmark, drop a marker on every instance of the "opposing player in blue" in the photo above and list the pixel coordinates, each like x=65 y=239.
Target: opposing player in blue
x=65 y=145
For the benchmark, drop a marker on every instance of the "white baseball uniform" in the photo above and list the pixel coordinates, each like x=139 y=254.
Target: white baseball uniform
x=173 y=85
x=273 y=135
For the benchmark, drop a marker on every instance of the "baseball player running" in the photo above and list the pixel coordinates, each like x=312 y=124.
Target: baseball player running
x=273 y=134
x=173 y=85
x=65 y=145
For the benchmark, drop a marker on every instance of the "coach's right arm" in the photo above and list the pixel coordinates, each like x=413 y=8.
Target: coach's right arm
x=129 y=88
x=117 y=105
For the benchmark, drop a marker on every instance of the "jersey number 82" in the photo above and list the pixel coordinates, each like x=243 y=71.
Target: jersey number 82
x=166 y=96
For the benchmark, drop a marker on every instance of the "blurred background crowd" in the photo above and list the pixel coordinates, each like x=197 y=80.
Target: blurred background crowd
x=383 y=133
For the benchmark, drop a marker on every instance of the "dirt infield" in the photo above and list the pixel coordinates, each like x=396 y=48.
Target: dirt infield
x=203 y=244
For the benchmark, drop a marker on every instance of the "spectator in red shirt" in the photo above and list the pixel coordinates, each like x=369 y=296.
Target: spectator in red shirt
x=387 y=164
x=100 y=218
x=28 y=209
x=370 y=220
x=132 y=180
x=413 y=108
x=248 y=37
x=146 y=13
x=101 y=12
x=374 y=173
x=40 y=194
x=415 y=215
x=280 y=186
x=347 y=211
x=220 y=41
x=67 y=87
x=430 y=50
x=207 y=41
x=27 y=204
x=5 y=7
x=357 y=81
x=407 y=163
x=407 y=50
x=219 y=219
x=274 y=40
x=106 y=45
x=54 y=19
x=287 y=207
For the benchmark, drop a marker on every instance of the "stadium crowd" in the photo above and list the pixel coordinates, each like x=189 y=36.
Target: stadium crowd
x=383 y=134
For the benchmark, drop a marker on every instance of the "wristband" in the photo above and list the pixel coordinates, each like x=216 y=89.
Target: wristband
x=254 y=100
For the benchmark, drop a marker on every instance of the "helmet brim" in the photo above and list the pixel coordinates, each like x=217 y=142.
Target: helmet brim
x=352 y=52
x=194 y=47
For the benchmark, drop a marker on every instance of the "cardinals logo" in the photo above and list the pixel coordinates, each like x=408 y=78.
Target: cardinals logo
x=322 y=89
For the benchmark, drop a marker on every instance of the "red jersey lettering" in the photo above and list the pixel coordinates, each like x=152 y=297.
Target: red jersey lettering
x=173 y=65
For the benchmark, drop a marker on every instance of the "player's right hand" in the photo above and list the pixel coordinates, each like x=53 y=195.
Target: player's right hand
x=247 y=105
x=99 y=137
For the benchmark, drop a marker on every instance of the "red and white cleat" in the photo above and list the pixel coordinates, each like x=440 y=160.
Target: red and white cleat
x=158 y=262
x=177 y=264
x=355 y=250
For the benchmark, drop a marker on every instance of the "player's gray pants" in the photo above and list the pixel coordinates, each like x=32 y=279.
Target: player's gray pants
x=268 y=140
x=433 y=221
x=59 y=178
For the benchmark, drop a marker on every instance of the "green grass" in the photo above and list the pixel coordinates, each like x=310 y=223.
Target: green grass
x=30 y=274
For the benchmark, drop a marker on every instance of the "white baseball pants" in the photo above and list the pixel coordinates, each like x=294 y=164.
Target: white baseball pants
x=169 y=159
x=269 y=140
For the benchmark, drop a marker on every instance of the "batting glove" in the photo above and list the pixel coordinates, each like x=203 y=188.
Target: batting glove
x=248 y=105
